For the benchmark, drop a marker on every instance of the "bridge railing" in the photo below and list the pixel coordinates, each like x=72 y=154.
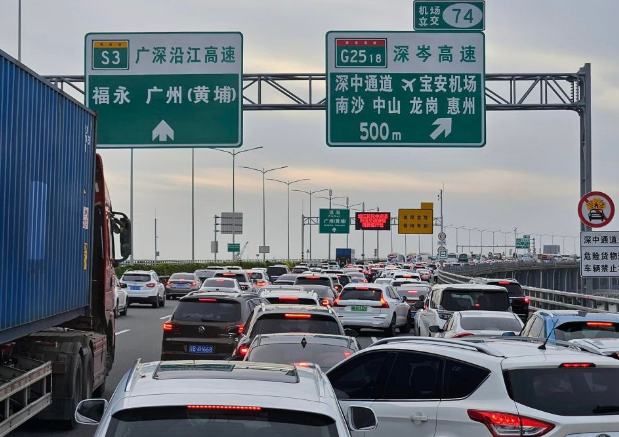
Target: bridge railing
x=542 y=298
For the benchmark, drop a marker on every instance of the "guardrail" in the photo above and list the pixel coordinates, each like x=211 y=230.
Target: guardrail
x=542 y=298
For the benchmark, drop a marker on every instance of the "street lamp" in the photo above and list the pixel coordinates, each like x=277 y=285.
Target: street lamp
x=348 y=207
x=310 y=193
x=233 y=154
x=288 y=184
x=330 y=198
x=481 y=244
x=264 y=232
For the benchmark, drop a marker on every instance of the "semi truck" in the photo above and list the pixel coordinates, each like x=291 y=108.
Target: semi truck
x=57 y=252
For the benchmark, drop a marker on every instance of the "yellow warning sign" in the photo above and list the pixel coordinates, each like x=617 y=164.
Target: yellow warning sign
x=416 y=221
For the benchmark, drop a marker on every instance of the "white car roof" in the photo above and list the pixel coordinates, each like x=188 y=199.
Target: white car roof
x=288 y=292
x=488 y=314
x=139 y=272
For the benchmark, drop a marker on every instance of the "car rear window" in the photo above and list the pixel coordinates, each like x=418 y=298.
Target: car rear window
x=462 y=300
x=255 y=275
x=313 y=281
x=133 y=277
x=513 y=289
x=220 y=283
x=204 y=274
x=185 y=276
x=576 y=330
x=291 y=322
x=578 y=391
x=320 y=291
x=299 y=270
x=291 y=300
x=276 y=271
x=193 y=421
x=408 y=292
x=208 y=310
x=325 y=355
x=238 y=276
x=490 y=324
x=361 y=294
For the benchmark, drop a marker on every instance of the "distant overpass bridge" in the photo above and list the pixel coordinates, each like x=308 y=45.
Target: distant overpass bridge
x=552 y=286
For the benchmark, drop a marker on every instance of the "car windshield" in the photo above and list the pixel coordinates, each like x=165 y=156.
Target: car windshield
x=490 y=324
x=208 y=310
x=361 y=294
x=219 y=283
x=576 y=330
x=325 y=355
x=193 y=422
x=135 y=277
x=183 y=276
x=513 y=289
x=292 y=322
x=309 y=280
x=462 y=300
x=566 y=391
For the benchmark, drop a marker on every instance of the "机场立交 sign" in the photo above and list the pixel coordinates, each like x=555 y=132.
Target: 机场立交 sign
x=405 y=89
x=599 y=254
x=165 y=89
x=441 y=15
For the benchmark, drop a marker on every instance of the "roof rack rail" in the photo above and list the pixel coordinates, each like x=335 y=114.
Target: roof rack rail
x=442 y=342
x=563 y=343
x=132 y=371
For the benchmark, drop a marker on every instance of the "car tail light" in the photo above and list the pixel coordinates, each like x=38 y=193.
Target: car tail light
x=527 y=299
x=261 y=283
x=505 y=424
x=577 y=365
x=463 y=334
x=207 y=300
x=151 y=284
x=336 y=302
x=229 y=274
x=297 y=316
x=168 y=283
x=219 y=280
x=304 y=364
x=504 y=282
x=194 y=283
x=241 y=328
x=362 y=288
x=600 y=324
x=170 y=326
x=243 y=350
x=288 y=298
x=223 y=407
x=325 y=302
x=312 y=277
x=346 y=354
x=383 y=303
x=412 y=291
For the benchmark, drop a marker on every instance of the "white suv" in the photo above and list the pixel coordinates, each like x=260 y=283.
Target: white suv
x=143 y=287
x=375 y=306
x=426 y=387
x=215 y=398
x=443 y=300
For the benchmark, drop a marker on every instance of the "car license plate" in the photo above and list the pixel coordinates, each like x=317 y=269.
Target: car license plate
x=133 y=287
x=180 y=285
x=201 y=349
x=359 y=308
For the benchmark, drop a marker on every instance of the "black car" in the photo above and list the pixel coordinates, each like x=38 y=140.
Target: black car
x=274 y=272
x=326 y=294
x=302 y=349
x=286 y=279
x=275 y=319
x=206 y=325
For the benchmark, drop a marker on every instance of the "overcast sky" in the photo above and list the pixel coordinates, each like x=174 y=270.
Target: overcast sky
x=526 y=176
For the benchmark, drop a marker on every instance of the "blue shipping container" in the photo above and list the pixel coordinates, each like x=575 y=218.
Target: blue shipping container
x=47 y=159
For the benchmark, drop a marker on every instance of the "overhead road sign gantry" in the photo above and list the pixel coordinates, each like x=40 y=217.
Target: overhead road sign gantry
x=405 y=89
x=334 y=221
x=156 y=90
x=596 y=209
x=437 y=15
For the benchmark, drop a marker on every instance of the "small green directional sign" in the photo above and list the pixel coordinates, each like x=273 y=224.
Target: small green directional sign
x=157 y=90
x=334 y=221
x=427 y=92
x=437 y=15
x=234 y=247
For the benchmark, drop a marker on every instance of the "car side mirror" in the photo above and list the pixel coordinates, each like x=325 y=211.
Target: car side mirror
x=435 y=329
x=90 y=411
x=361 y=418
x=350 y=332
x=419 y=305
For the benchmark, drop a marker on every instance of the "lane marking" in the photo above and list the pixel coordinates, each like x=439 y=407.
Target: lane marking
x=123 y=331
x=374 y=339
x=165 y=317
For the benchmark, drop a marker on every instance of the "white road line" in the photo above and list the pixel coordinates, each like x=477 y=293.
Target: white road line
x=374 y=339
x=165 y=317
x=123 y=331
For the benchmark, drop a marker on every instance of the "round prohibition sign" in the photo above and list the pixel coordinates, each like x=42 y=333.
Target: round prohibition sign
x=596 y=209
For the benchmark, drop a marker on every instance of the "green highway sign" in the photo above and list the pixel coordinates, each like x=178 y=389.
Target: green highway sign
x=523 y=243
x=234 y=247
x=436 y=15
x=427 y=92
x=334 y=221
x=442 y=254
x=156 y=90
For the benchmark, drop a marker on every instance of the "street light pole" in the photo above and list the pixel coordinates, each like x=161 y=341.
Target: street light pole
x=330 y=198
x=264 y=225
x=288 y=184
x=348 y=206
x=233 y=154
x=310 y=193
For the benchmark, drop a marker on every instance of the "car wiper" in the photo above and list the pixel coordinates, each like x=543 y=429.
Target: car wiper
x=601 y=409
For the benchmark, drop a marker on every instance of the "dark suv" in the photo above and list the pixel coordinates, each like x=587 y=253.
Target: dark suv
x=518 y=301
x=206 y=325
x=274 y=272
x=275 y=319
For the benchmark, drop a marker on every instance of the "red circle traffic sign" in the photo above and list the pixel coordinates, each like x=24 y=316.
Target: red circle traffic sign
x=596 y=209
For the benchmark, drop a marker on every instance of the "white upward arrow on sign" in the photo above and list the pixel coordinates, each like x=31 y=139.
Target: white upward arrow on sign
x=444 y=125
x=163 y=131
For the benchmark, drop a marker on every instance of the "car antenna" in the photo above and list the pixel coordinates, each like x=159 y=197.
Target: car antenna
x=543 y=345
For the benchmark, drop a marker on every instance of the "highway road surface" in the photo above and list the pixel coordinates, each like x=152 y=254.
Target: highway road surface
x=138 y=335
